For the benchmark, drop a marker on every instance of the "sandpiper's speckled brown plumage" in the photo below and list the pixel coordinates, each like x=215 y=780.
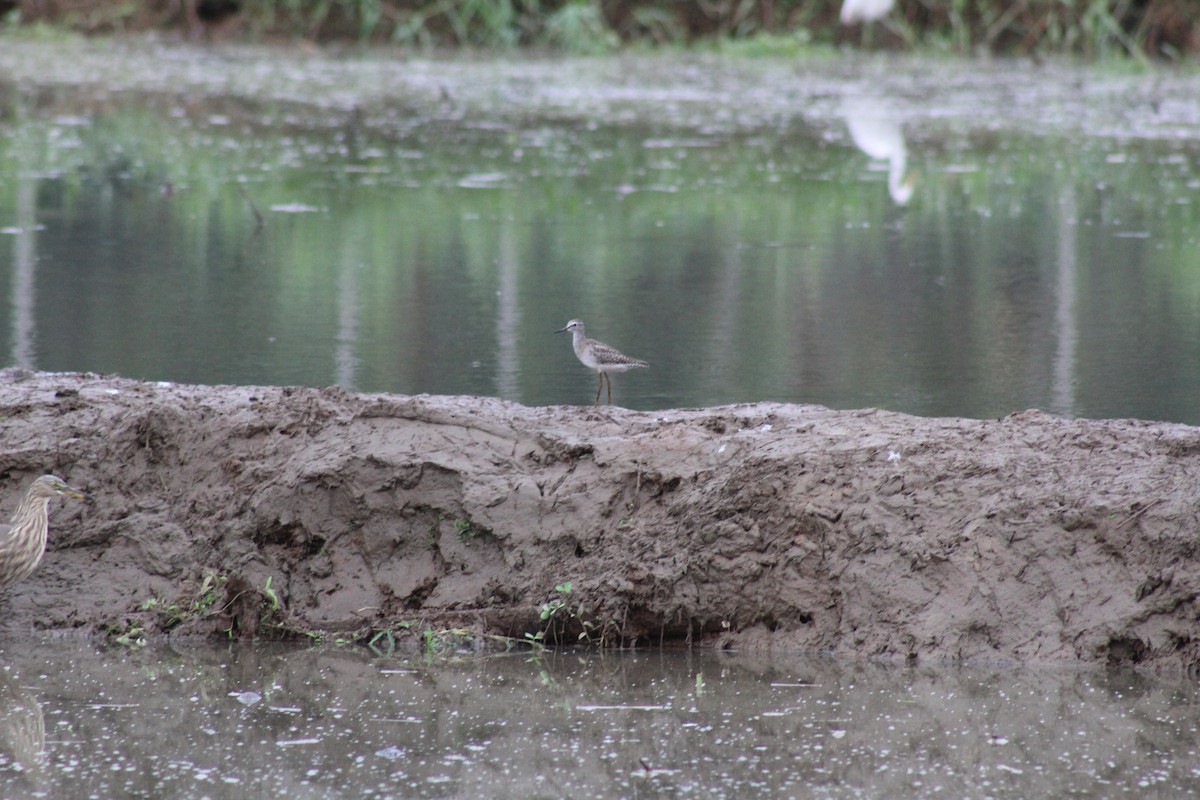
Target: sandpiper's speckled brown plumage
x=599 y=356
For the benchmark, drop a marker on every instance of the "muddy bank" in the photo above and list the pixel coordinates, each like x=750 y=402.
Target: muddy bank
x=259 y=511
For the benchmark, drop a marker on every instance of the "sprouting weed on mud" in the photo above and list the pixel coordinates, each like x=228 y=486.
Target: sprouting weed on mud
x=389 y=642
x=270 y=594
x=556 y=614
x=446 y=641
x=464 y=530
x=212 y=598
x=200 y=604
x=549 y=610
x=129 y=635
x=273 y=618
x=383 y=642
x=559 y=614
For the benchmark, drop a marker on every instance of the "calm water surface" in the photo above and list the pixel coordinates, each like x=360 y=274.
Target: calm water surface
x=821 y=236
x=82 y=721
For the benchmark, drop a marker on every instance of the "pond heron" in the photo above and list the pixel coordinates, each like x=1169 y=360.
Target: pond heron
x=23 y=541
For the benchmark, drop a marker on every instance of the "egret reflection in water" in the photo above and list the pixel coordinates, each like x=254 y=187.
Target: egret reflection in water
x=877 y=133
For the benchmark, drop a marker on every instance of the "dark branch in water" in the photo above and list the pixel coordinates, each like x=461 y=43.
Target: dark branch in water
x=258 y=217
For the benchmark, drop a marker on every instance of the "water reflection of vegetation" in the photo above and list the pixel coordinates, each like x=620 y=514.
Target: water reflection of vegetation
x=767 y=241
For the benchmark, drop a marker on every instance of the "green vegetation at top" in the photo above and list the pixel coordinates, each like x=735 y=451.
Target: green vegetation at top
x=1166 y=29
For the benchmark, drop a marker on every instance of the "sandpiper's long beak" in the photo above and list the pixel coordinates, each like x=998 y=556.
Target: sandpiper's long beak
x=560 y=330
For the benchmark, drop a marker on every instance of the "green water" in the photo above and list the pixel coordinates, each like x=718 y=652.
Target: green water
x=752 y=242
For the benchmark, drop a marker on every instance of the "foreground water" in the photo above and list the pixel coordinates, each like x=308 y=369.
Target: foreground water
x=956 y=239
x=84 y=721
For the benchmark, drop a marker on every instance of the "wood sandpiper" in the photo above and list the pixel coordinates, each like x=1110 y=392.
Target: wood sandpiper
x=599 y=356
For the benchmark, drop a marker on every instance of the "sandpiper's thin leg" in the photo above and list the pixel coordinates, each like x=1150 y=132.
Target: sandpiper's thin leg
x=599 y=388
x=609 y=387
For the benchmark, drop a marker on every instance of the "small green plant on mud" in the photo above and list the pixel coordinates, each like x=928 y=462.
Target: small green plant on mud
x=449 y=642
x=559 y=614
x=270 y=594
x=131 y=634
x=463 y=529
x=444 y=641
x=383 y=643
x=601 y=634
x=555 y=607
x=556 y=613
x=198 y=605
x=273 y=620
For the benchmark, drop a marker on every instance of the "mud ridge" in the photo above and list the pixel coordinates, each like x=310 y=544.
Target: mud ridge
x=248 y=511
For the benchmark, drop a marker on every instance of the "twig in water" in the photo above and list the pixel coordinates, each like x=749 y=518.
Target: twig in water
x=258 y=217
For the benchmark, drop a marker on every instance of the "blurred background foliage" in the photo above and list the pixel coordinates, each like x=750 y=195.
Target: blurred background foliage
x=1163 y=29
